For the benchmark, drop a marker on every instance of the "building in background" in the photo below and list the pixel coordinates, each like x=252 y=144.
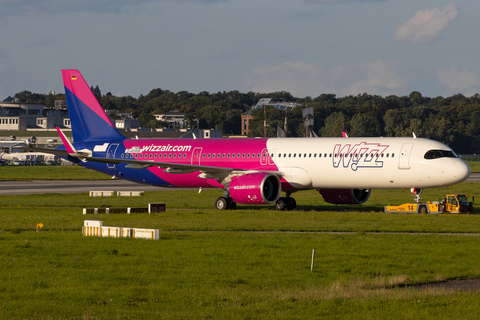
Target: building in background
x=279 y=104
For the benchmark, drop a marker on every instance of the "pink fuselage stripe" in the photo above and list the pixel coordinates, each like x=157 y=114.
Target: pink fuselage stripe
x=82 y=91
x=200 y=152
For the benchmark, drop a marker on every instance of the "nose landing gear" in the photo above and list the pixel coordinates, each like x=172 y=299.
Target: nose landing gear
x=416 y=194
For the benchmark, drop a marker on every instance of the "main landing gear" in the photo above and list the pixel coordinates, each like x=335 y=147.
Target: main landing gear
x=283 y=203
x=286 y=203
x=225 y=203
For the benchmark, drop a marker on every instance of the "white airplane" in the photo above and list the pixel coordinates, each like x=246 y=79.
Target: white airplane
x=256 y=170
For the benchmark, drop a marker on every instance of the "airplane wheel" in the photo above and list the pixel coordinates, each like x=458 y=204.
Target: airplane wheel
x=291 y=204
x=231 y=204
x=221 y=203
x=281 y=204
x=422 y=209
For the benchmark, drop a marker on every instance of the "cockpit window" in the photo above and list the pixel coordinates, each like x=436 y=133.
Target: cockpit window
x=435 y=154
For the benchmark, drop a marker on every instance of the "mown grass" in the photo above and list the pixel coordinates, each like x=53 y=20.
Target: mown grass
x=58 y=275
x=74 y=172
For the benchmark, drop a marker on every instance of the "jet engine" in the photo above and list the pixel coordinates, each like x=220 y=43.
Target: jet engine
x=255 y=188
x=345 y=196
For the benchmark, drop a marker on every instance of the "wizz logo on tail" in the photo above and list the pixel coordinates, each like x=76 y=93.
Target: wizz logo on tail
x=361 y=155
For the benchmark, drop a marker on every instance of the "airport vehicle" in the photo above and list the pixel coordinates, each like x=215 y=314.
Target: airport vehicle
x=255 y=170
x=451 y=203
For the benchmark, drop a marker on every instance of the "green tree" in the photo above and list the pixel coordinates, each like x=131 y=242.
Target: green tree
x=334 y=125
x=364 y=125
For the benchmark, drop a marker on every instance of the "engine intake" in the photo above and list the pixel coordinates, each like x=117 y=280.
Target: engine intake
x=255 y=188
x=345 y=196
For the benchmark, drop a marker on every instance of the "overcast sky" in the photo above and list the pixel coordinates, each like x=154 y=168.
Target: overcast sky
x=305 y=47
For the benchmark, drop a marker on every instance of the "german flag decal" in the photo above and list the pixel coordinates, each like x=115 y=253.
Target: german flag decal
x=74 y=77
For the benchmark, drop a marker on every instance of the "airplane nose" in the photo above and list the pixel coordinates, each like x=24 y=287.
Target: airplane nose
x=461 y=171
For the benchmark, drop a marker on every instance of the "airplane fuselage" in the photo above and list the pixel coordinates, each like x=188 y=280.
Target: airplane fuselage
x=364 y=163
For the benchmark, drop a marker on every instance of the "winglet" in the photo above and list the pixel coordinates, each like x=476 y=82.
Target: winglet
x=70 y=149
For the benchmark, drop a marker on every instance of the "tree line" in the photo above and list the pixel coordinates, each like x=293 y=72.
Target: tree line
x=454 y=120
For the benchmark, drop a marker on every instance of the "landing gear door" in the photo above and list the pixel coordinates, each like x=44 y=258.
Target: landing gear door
x=110 y=154
x=404 y=160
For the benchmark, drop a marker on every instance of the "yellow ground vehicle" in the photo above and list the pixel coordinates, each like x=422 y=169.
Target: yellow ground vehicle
x=451 y=203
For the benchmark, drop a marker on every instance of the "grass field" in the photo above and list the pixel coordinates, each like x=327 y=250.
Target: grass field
x=253 y=262
x=12 y=173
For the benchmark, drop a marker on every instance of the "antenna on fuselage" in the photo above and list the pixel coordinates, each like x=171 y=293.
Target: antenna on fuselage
x=414 y=136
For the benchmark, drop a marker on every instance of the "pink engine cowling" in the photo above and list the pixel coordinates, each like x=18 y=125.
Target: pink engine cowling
x=345 y=196
x=255 y=188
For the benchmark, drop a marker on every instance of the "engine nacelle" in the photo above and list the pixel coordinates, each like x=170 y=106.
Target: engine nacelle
x=345 y=196
x=255 y=188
